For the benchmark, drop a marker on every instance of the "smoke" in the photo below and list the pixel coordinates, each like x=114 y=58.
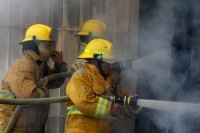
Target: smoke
x=161 y=76
x=154 y=50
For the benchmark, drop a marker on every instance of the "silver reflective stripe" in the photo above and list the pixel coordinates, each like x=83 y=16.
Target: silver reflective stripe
x=101 y=107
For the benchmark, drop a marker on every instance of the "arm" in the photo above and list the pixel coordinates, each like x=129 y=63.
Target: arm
x=23 y=83
x=79 y=90
x=59 y=66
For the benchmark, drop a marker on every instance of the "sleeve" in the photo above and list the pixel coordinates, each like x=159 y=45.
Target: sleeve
x=121 y=92
x=23 y=83
x=80 y=92
x=57 y=68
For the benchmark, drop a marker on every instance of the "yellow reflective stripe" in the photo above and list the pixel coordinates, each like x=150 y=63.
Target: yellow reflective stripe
x=86 y=50
x=72 y=110
x=6 y=94
x=95 y=52
x=31 y=37
x=98 y=109
x=98 y=52
x=1 y=131
x=101 y=106
x=40 y=93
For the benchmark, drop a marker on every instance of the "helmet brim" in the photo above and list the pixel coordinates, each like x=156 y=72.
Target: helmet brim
x=20 y=43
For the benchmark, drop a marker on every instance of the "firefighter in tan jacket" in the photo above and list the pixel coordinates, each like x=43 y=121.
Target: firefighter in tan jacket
x=20 y=80
x=88 y=112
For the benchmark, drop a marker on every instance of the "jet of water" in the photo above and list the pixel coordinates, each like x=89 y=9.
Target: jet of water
x=178 y=107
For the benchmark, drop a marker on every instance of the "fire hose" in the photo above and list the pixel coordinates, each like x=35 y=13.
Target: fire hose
x=118 y=66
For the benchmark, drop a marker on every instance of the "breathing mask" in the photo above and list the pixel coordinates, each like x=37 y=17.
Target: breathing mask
x=82 y=47
x=46 y=49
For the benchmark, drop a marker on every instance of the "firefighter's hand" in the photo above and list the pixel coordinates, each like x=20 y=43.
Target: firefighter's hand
x=57 y=57
x=133 y=95
x=79 y=63
x=116 y=109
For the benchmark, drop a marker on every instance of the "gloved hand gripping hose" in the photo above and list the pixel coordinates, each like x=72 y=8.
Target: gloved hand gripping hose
x=130 y=104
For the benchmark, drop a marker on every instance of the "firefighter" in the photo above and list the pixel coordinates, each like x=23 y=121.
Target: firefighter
x=20 y=80
x=92 y=29
x=88 y=112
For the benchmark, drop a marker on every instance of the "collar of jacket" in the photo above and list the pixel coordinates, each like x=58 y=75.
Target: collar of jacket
x=94 y=71
x=38 y=59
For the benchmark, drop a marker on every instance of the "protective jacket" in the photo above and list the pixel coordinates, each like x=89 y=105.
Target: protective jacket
x=20 y=82
x=87 y=111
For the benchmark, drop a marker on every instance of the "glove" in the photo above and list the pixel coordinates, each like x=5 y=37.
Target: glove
x=116 y=109
x=40 y=92
x=79 y=63
x=130 y=111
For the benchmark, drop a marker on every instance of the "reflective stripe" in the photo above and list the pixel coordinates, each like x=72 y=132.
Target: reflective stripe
x=73 y=110
x=95 y=52
x=6 y=94
x=99 y=52
x=40 y=93
x=1 y=131
x=31 y=37
x=86 y=50
x=101 y=107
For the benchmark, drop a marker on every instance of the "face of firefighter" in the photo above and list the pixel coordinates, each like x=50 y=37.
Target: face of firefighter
x=106 y=67
x=86 y=38
x=46 y=49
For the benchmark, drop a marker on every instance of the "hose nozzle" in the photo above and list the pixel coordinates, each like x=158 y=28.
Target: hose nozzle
x=130 y=101
x=122 y=100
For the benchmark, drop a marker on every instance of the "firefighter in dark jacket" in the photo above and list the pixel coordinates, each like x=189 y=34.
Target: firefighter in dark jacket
x=21 y=78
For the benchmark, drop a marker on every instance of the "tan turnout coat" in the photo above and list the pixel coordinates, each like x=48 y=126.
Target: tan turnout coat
x=20 y=82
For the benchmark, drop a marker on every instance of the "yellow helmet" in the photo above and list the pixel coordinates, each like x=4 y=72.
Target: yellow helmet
x=96 y=27
x=40 y=31
x=99 y=46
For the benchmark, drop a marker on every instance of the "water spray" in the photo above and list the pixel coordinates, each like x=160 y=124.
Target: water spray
x=169 y=106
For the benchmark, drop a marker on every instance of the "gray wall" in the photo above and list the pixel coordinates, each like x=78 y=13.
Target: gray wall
x=66 y=18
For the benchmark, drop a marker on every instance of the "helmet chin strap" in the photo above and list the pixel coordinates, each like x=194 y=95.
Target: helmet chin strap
x=98 y=58
x=101 y=71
